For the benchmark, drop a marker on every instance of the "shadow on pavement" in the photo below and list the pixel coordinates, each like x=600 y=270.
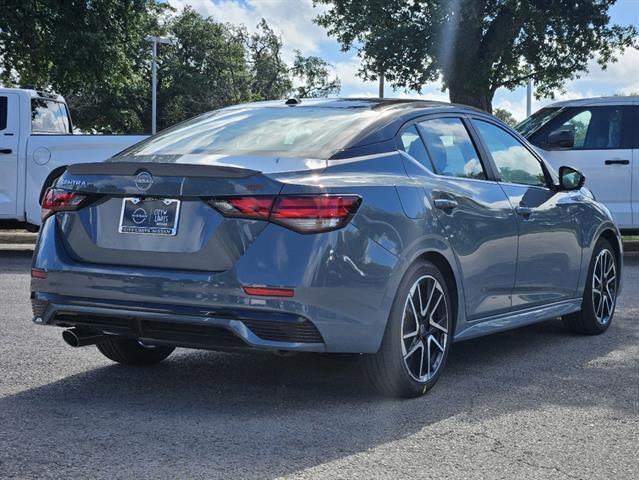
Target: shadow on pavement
x=261 y=416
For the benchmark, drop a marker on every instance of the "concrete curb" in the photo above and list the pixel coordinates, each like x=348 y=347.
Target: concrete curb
x=21 y=238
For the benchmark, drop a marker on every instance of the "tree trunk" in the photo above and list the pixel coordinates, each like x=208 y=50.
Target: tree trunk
x=472 y=96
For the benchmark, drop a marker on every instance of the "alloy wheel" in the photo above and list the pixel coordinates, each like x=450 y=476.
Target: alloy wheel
x=604 y=286
x=425 y=324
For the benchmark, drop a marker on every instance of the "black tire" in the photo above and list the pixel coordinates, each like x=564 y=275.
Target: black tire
x=129 y=351
x=587 y=321
x=386 y=370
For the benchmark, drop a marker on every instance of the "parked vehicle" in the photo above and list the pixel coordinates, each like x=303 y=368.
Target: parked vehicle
x=600 y=137
x=36 y=144
x=387 y=228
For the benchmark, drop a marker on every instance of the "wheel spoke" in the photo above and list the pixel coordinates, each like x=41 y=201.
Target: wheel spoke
x=413 y=349
x=424 y=310
x=432 y=339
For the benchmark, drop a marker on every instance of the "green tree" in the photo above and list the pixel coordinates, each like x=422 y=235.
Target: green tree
x=203 y=69
x=314 y=77
x=90 y=51
x=477 y=46
x=505 y=116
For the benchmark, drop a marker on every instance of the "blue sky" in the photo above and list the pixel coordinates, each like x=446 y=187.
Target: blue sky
x=292 y=19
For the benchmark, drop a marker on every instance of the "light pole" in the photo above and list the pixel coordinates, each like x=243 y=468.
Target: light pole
x=154 y=82
x=529 y=88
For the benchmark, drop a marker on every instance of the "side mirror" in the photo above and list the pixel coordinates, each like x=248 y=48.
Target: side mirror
x=571 y=179
x=564 y=138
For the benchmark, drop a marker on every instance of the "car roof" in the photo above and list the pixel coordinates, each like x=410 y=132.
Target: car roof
x=597 y=101
x=394 y=112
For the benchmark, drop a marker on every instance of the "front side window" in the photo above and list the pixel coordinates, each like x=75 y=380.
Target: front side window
x=514 y=162
x=48 y=116
x=594 y=128
x=412 y=144
x=451 y=149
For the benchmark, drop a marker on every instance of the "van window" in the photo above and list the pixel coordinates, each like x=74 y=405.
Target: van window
x=595 y=128
x=48 y=116
x=3 y=113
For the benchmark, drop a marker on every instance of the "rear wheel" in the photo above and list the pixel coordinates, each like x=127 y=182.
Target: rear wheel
x=417 y=338
x=600 y=294
x=129 y=351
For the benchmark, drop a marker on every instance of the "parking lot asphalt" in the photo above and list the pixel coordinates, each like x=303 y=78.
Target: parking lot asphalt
x=536 y=402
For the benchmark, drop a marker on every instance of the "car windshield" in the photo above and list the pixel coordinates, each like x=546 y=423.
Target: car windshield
x=536 y=121
x=288 y=132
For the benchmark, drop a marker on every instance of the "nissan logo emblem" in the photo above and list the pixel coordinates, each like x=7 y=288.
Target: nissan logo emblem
x=143 y=181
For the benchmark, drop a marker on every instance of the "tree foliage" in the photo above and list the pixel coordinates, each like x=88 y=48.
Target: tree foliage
x=95 y=54
x=477 y=46
x=313 y=75
x=505 y=116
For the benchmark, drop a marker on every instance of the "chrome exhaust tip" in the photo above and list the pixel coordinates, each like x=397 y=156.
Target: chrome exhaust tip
x=78 y=338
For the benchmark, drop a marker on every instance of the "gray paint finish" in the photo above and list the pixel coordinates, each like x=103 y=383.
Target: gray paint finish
x=507 y=271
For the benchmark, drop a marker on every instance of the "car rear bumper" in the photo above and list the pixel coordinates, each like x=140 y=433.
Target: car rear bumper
x=181 y=326
x=342 y=295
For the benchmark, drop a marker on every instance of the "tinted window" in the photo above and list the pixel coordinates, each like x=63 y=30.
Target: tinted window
x=413 y=145
x=514 y=162
x=48 y=116
x=451 y=150
x=3 y=113
x=595 y=128
x=285 y=131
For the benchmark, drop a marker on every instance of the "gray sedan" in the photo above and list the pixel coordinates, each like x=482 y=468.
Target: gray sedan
x=382 y=228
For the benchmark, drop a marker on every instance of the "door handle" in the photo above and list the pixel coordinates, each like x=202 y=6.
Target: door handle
x=445 y=203
x=617 y=162
x=524 y=211
x=5 y=151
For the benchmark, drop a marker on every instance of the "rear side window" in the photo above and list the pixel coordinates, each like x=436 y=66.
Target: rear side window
x=412 y=144
x=514 y=162
x=48 y=116
x=3 y=113
x=451 y=149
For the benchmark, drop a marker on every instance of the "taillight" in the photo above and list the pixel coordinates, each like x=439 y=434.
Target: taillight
x=302 y=213
x=245 y=207
x=56 y=200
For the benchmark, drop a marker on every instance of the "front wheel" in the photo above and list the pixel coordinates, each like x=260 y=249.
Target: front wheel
x=130 y=351
x=600 y=294
x=417 y=337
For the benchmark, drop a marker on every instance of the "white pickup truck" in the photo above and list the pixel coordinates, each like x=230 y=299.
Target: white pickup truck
x=36 y=144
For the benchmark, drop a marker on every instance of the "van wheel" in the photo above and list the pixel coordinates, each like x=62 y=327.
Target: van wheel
x=417 y=337
x=600 y=294
x=130 y=351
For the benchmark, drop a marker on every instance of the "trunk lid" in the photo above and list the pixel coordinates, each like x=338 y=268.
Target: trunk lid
x=119 y=225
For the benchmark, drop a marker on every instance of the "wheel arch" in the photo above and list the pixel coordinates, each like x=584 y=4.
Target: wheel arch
x=444 y=266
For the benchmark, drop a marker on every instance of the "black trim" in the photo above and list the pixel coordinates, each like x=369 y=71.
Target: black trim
x=123 y=168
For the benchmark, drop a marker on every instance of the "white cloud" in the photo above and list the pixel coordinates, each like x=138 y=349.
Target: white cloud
x=292 y=19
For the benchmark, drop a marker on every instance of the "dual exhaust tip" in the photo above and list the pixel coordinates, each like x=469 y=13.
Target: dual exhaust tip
x=81 y=338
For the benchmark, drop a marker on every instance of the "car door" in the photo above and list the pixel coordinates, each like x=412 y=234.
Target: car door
x=473 y=210
x=601 y=151
x=9 y=135
x=633 y=141
x=549 y=248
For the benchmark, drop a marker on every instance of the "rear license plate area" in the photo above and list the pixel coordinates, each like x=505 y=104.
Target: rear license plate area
x=149 y=216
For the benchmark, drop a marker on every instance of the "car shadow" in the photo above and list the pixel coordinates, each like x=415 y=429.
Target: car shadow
x=262 y=416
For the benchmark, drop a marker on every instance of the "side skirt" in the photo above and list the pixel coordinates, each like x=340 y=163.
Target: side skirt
x=520 y=318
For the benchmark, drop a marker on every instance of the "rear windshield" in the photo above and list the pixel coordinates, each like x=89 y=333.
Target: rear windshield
x=536 y=121
x=288 y=132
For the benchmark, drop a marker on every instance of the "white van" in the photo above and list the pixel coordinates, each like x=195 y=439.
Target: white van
x=599 y=137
